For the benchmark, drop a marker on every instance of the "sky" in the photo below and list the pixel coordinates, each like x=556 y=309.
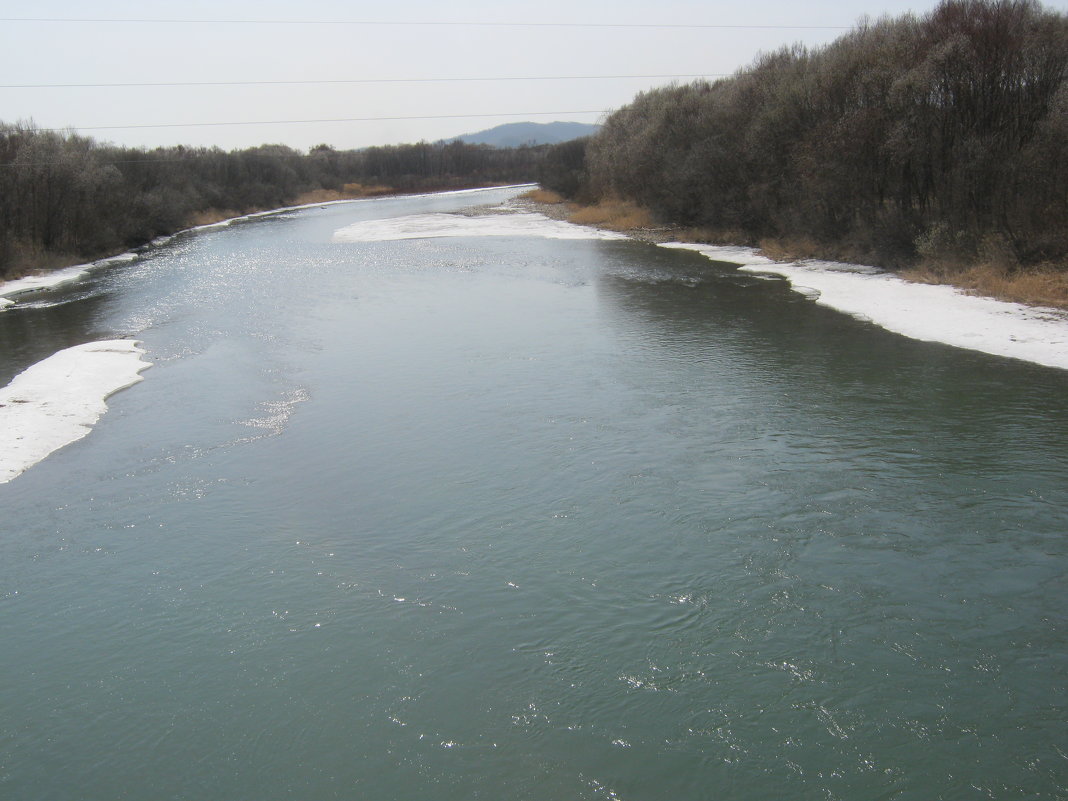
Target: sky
x=332 y=72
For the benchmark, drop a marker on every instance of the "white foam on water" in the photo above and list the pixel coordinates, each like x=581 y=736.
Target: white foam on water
x=58 y=400
x=921 y=311
x=427 y=226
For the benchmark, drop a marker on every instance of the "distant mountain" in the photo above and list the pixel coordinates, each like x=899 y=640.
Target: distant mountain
x=513 y=134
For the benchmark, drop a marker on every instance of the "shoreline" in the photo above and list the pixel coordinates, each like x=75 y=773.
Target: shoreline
x=49 y=279
x=942 y=313
x=1038 y=286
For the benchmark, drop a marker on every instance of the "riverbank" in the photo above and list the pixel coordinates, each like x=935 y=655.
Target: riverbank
x=54 y=276
x=1039 y=287
x=924 y=310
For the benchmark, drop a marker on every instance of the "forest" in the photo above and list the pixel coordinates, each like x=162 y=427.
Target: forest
x=66 y=198
x=939 y=140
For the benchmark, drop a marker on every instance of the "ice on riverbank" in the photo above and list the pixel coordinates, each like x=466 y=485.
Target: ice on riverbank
x=37 y=283
x=426 y=226
x=920 y=311
x=33 y=283
x=58 y=400
x=372 y=199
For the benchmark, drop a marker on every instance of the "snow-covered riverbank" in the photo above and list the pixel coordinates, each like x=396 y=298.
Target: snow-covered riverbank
x=920 y=311
x=58 y=400
x=33 y=283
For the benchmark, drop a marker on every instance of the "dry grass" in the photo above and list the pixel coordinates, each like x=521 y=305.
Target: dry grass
x=1039 y=286
x=209 y=216
x=347 y=192
x=703 y=235
x=350 y=191
x=319 y=196
x=790 y=249
x=22 y=261
x=543 y=196
x=616 y=215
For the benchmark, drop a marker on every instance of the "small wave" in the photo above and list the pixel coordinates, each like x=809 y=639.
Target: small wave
x=275 y=415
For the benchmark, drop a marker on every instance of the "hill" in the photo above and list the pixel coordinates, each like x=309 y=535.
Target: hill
x=514 y=134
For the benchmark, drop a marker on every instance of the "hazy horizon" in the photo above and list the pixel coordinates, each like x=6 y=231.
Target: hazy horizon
x=237 y=69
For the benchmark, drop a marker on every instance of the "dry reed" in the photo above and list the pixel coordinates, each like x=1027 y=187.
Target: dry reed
x=1040 y=286
x=616 y=215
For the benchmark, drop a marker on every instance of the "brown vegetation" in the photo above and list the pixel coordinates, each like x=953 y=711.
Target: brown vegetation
x=356 y=190
x=616 y=215
x=209 y=216
x=546 y=196
x=791 y=249
x=25 y=261
x=1038 y=286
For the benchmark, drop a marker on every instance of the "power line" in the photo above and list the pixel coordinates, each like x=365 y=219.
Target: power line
x=352 y=81
x=430 y=23
x=301 y=122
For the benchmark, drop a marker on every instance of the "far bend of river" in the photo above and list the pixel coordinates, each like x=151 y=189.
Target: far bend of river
x=522 y=518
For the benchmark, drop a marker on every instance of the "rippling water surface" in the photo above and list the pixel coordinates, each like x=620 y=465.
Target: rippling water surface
x=514 y=517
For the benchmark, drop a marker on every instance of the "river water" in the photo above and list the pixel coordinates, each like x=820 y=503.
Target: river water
x=526 y=518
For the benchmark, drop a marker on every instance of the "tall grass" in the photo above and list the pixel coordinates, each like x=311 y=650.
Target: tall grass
x=543 y=196
x=1039 y=286
x=616 y=215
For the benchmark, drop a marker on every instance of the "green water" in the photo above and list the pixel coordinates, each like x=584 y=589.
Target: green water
x=517 y=518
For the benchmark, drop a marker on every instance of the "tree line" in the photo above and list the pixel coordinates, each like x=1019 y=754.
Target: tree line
x=941 y=138
x=65 y=197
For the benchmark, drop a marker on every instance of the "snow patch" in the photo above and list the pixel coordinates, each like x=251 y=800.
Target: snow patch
x=38 y=283
x=921 y=311
x=10 y=289
x=58 y=400
x=426 y=226
x=34 y=283
x=324 y=203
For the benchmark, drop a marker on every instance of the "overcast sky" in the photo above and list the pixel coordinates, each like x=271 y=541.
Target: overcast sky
x=316 y=41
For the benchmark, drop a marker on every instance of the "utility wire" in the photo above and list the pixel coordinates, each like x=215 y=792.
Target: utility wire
x=431 y=23
x=351 y=81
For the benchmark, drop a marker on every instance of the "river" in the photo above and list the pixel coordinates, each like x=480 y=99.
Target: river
x=529 y=518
